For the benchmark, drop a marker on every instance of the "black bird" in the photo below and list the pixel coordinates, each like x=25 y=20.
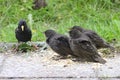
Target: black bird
x=23 y=32
x=82 y=47
x=58 y=43
x=95 y=38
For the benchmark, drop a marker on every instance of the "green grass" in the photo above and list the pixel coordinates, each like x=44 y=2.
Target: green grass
x=102 y=16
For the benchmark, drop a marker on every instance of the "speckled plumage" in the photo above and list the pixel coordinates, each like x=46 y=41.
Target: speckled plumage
x=82 y=47
x=58 y=43
x=95 y=38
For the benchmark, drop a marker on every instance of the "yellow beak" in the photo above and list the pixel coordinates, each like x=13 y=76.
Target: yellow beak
x=22 y=28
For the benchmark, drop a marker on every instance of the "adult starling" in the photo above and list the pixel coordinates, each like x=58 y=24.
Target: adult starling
x=58 y=43
x=22 y=32
x=82 y=47
x=95 y=38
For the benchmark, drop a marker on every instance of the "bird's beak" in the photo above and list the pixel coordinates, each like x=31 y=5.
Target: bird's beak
x=22 y=28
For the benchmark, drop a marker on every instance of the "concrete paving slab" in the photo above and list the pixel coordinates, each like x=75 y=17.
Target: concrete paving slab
x=39 y=65
x=111 y=68
x=53 y=79
x=35 y=66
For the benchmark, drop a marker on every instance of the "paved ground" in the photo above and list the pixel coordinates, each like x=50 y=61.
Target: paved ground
x=41 y=65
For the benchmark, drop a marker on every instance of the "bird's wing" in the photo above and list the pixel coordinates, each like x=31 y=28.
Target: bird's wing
x=87 y=46
x=94 y=36
x=63 y=40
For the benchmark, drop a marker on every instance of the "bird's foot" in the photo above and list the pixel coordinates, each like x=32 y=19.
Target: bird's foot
x=112 y=49
x=58 y=57
x=35 y=47
x=78 y=60
x=15 y=49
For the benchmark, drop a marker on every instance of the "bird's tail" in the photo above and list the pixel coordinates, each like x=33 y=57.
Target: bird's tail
x=100 y=60
x=107 y=45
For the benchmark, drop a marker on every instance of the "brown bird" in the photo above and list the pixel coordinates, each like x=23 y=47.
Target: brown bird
x=79 y=28
x=95 y=38
x=39 y=4
x=58 y=43
x=22 y=32
x=82 y=47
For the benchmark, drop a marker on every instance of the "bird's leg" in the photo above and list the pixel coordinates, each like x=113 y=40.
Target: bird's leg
x=15 y=49
x=76 y=59
x=34 y=46
x=62 y=57
x=112 y=49
x=19 y=43
x=58 y=57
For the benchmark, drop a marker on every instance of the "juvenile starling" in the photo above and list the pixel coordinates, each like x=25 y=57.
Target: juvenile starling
x=22 y=32
x=82 y=47
x=58 y=43
x=95 y=38
x=79 y=28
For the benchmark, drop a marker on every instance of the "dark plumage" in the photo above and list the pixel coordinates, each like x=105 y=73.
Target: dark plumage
x=59 y=43
x=95 y=38
x=39 y=4
x=82 y=47
x=79 y=28
x=22 y=32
